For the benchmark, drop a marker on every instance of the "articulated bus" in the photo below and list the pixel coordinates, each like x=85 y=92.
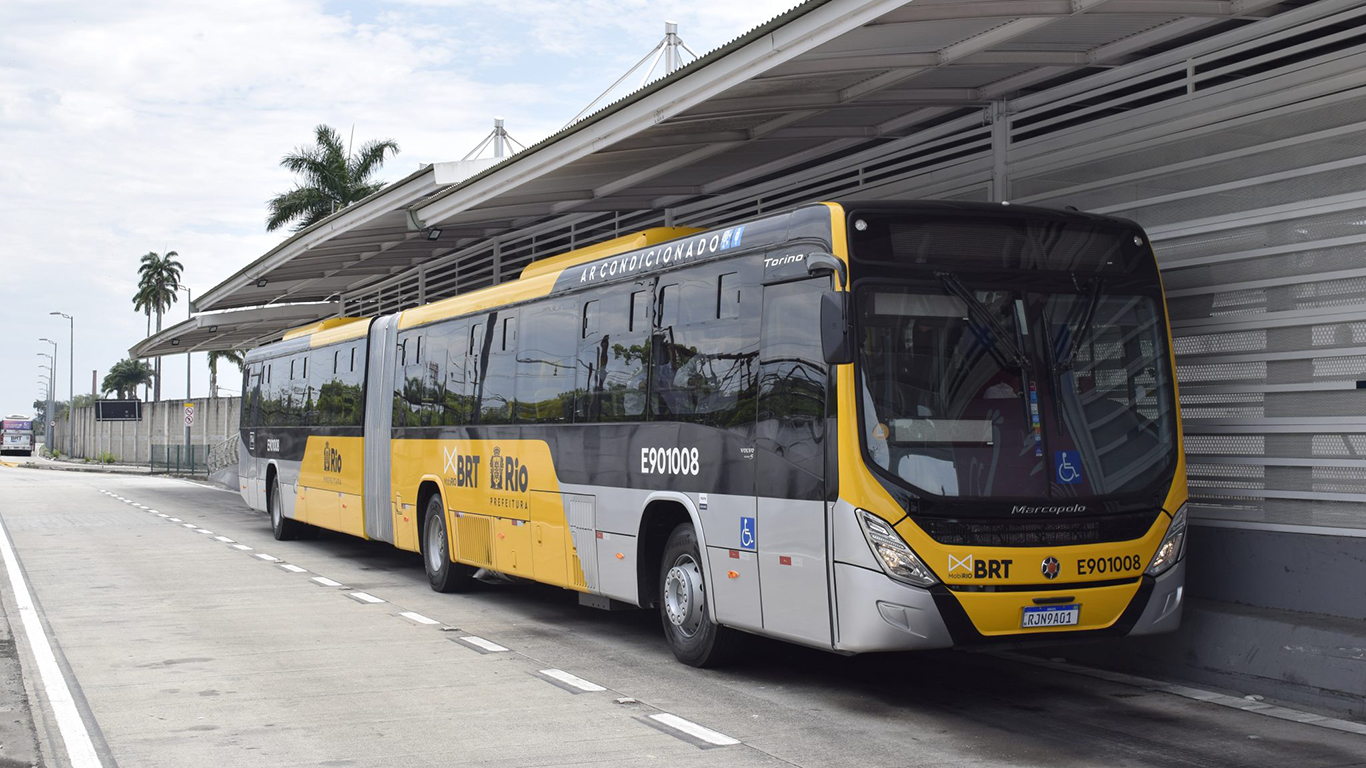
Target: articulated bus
x=857 y=427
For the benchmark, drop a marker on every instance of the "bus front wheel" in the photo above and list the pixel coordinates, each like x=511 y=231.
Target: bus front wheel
x=444 y=575
x=695 y=639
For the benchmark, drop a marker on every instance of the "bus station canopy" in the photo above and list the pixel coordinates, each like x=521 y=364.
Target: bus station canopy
x=235 y=329
x=829 y=84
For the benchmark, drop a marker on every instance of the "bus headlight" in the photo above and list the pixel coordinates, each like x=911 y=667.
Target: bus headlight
x=1173 y=545
x=891 y=551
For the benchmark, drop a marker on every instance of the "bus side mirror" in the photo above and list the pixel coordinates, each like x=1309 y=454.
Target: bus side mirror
x=835 y=346
x=825 y=264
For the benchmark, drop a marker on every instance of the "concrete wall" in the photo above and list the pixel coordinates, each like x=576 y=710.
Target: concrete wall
x=163 y=423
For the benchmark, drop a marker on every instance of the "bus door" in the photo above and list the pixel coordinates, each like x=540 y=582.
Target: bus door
x=790 y=447
x=249 y=467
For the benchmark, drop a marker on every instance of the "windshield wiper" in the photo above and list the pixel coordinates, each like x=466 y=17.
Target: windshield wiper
x=978 y=310
x=1084 y=329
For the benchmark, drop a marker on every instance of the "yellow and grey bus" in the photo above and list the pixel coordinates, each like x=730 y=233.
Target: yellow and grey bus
x=857 y=427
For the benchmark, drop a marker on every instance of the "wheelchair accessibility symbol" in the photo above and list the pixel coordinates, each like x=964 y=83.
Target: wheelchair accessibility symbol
x=748 y=538
x=1067 y=467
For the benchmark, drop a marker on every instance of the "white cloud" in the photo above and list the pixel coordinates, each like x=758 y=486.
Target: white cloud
x=147 y=125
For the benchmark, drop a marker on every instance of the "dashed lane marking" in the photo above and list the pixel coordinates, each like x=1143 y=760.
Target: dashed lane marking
x=203 y=530
x=482 y=645
x=293 y=568
x=242 y=547
x=324 y=581
x=80 y=749
x=575 y=683
x=418 y=618
x=163 y=514
x=267 y=558
x=189 y=525
x=363 y=597
x=688 y=727
x=225 y=539
x=175 y=520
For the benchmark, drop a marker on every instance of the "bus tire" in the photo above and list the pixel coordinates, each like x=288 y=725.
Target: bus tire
x=443 y=574
x=282 y=527
x=695 y=639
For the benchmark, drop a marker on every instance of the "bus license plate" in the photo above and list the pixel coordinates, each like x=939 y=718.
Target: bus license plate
x=1051 y=616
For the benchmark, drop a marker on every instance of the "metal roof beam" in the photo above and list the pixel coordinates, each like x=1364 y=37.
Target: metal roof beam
x=803 y=33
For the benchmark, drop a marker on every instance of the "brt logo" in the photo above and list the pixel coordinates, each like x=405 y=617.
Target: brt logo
x=507 y=473
x=332 y=459
x=977 y=568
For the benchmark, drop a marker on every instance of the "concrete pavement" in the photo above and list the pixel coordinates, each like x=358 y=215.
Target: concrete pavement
x=196 y=639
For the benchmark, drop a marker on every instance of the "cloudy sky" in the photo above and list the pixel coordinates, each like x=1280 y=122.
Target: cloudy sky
x=151 y=125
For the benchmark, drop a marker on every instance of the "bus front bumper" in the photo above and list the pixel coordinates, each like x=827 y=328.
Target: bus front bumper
x=879 y=614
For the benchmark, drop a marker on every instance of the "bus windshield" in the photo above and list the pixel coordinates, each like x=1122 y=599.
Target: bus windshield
x=1086 y=411
x=1029 y=362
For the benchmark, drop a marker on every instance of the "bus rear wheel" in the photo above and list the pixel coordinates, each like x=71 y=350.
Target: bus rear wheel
x=695 y=639
x=444 y=575
x=282 y=527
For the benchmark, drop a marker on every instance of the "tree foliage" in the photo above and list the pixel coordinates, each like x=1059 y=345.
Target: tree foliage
x=158 y=289
x=236 y=357
x=125 y=377
x=330 y=178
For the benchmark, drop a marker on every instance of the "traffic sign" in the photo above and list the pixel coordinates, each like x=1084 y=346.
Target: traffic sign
x=189 y=414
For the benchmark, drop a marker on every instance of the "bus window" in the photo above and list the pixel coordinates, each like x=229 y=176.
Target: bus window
x=703 y=367
x=792 y=379
x=611 y=378
x=497 y=386
x=545 y=364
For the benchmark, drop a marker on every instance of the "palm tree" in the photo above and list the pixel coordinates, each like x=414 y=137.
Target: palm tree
x=231 y=355
x=332 y=178
x=142 y=302
x=125 y=376
x=158 y=289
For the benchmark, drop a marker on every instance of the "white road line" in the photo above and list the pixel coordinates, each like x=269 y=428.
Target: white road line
x=694 y=730
x=267 y=558
x=418 y=618
x=224 y=539
x=189 y=525
x=163 y=514
x=480 y=642
x=175 y=519
x=153 y=511
x=574 y=680
x=140 y=506
x=363 y=597
x=203 y=530
x=326 y=582
x=293 y=568
x=79 y=748
x=242 y=547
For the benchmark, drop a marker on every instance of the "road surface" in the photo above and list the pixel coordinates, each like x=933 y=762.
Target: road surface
x=187 y=636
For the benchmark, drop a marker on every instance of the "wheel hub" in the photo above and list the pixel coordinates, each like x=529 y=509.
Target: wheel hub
x=683 y=596
x=436 y=550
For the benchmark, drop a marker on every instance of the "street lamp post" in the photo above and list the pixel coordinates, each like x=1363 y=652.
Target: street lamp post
x=46 y=393
x=71 y=374
x=189 y=308
x=50 y=415
x=51 y=366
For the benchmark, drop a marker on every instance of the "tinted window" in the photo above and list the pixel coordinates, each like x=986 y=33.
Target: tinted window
x=704 y=366
x=545 y=363
x=611 y=378
x=498 y=369
x=792 y=374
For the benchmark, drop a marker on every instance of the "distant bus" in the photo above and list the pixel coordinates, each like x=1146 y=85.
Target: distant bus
x=861 y=427
x=16 y=435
